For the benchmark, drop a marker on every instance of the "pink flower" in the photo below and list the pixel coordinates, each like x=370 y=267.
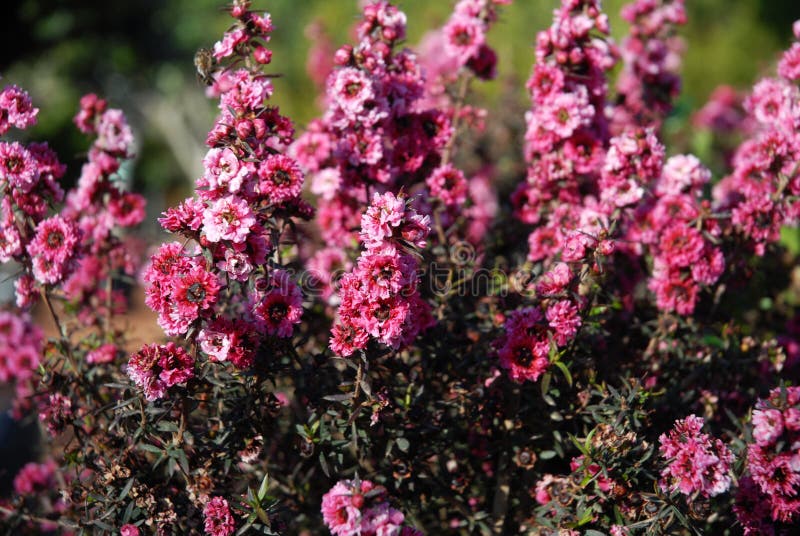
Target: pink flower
x=774 y=458
x=155 y=368
x=16 y=108
x=53 y=248
x=114 y=134
x=26 y=290
x=186 y=217
x=224 y=171
x=545 y=81
x=101 y=355
x=280 y=178
x=229 y=42
x=696 y=462
x=35 y=478
x=388 y=218
x=341 y=508
x=448 y=184
x=228 y=340
x=767 y=425
x=556 y=280
x=789 y=66
x=91 y=107
x=18 y=167
x=218 y=518
x=127 y=209
x=463 y=37
x=129 y=530
x=354 y=508
x=195 y=292
x=681 y=245
x=237 y=264
x=525 y=357
x=228 y=218
x=350 y=90
x=282 y=307
x=385 y=272
x=674 y=292
x=564 y=320
x=326 y=183
x=564 y=113
x=683 y=173
x=10 y=240
x=21 y=341
x=347 y=339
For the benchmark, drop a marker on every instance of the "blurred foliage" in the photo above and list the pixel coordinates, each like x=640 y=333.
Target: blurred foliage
x=139 y=55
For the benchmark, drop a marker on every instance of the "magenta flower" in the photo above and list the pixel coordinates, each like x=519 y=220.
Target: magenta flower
x=218 y=518
x=228 y=218
x=695 y=462
x=18 y=167
x=448 y=184
x=16 y=109
x=280 y=178
x=155 y=368
x=53 y=249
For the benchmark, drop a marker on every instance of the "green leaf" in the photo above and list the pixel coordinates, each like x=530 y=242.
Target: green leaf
x=151 y=448
x=546 y=383
x=126 y=489
x=579 y=445
x=324 y=464
x=262 y=490
x=565 y=371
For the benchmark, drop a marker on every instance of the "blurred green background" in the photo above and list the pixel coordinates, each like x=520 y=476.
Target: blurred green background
x=138 y=54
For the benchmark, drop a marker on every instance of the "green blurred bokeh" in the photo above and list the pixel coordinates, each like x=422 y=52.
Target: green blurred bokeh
x=138 y=54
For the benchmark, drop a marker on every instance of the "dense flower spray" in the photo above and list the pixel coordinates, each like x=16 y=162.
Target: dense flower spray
x=696 y=463
x=773 y=483
x=492 y=385
x=379 y=298
x=651 y=57
x=566 y=129
x=765 y=166
x=229 y=287
x=372 y=97
x=359 y=507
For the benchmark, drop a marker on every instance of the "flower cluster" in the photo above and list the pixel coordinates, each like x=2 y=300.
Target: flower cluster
x=681 y=234
x=20 y=353
x=16 y=109
x=21 y=341
x=359 y=507
x=765 y=167
x=35 y=477
x=651 y=59
x=533 y=334
x=460 y=43
x=773 y=461
x=533 y=375
x=179 y=288
x=28 y=186
x=374 y=132
x=379 y=298
x=104 y=209
x=566 y=128
x=218 y=518
x=249 y=192
x=155 y=368
x=695 y=462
